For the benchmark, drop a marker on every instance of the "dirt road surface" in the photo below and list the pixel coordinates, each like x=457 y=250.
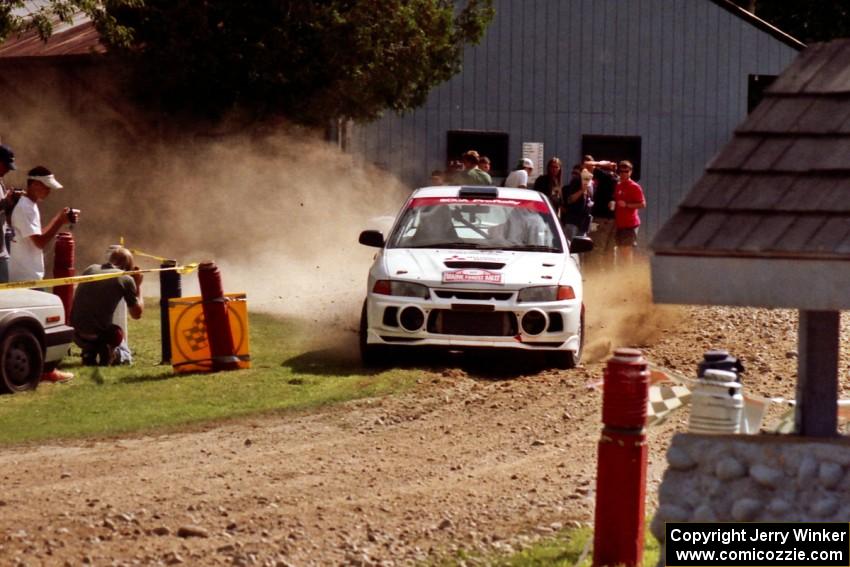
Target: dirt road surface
x=471 y=458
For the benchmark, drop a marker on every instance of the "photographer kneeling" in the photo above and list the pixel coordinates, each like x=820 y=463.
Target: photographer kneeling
x=94 y=307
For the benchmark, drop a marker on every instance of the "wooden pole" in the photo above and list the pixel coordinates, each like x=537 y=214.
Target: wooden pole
x=816 y=412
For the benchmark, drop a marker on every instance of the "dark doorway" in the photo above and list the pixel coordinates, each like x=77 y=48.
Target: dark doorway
x=494 y=145
x=614 y=148
x=756 y=84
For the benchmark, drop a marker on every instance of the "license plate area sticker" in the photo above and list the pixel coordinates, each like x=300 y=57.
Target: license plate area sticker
x=477 y=276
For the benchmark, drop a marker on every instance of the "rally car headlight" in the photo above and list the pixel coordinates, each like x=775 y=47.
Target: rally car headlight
x=546 y=293
x=405 y=289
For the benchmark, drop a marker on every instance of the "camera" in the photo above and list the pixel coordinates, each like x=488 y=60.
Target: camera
x=73 y=214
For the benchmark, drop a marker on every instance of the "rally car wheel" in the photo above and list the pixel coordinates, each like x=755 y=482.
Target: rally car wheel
x=567 y=359
x=371 y=356
x=21 y=361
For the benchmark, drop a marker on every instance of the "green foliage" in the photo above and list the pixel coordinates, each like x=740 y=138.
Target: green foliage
x=308 y=60
x=808 y=20
x=149 y=397
x=570 y=548
x=17 y=16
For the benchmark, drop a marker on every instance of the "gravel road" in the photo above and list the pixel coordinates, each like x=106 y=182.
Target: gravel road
x=471 y=458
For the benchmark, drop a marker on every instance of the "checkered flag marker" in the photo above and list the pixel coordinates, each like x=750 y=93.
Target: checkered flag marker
x=665 y=399
x=785 y=424
x=196 y=335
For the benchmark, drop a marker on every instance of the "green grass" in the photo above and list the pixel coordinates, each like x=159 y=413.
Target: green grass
x=145 y=397
x=570 y=548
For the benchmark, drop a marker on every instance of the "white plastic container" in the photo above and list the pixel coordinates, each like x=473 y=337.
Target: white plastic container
x=716 y=404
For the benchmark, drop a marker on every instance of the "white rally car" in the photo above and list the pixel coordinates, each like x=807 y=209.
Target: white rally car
x=472 y=267
x=33 y=337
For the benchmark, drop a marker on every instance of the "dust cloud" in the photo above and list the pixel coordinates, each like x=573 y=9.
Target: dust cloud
x=279 y=212
x=620 y=311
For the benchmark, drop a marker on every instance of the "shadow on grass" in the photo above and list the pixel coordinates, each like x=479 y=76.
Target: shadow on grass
x=165 y=374
x=478 y=364
x=328 y=362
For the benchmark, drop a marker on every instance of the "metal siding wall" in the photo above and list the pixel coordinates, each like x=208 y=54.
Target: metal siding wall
x=673 y=72
x=570 y=115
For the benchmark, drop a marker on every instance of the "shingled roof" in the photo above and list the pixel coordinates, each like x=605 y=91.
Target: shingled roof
x=780 y=190
x=78 y=38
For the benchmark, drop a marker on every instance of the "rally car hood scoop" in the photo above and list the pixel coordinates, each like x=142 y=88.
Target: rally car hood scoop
x=433 y=266
x=474 y=264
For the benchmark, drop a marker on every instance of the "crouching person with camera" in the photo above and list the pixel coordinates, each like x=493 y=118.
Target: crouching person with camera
x=94 y=308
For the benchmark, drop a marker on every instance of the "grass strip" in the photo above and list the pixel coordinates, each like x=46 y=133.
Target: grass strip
x=147 y=397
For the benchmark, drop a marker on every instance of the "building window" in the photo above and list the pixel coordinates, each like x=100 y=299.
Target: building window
x=494 y=145
x=755 y=89
x=614 y=148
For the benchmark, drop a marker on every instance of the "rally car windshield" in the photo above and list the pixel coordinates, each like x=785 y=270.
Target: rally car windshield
x=489 y=224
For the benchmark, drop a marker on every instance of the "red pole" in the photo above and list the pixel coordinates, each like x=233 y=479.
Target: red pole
x=63 y=267
x=621 y=463
x=219 y=334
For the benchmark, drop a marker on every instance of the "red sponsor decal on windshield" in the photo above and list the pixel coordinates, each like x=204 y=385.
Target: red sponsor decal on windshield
x=538 y=206
x=481 y=276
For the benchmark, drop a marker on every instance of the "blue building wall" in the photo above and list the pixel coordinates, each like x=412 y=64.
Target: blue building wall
x=674 y=72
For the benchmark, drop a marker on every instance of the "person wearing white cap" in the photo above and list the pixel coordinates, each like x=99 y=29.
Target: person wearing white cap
x=27 y=259
x=519 y=177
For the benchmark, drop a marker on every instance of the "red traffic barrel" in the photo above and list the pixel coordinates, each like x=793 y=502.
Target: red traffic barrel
x=219 y=333
x=63 y=267
x=625 y=390
x=620 y=498
x=621 y=462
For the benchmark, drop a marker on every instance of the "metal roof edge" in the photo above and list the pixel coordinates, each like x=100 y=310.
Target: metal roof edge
x=48 y=58
x=763 y=25
x=668 y=252
x=818 y=285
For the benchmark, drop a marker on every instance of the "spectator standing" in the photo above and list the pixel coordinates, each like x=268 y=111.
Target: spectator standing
x=27 y=258
x=575 y=215
x=472 y=174
x=94 y=308
x=438 y=177
x=519 y=177
x=602 y=195
x=485 y=165
x=7 y=164
x=629 y=199
x=550 y=182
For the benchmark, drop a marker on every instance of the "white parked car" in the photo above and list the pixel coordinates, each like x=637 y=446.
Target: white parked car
x=471 y=267
x=33 y=337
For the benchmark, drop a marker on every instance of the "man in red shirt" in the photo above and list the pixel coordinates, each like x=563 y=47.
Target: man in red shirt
x=628 y=198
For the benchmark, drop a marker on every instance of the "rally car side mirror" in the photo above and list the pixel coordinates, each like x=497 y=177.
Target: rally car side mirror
x=580 y=245
x=372 y=238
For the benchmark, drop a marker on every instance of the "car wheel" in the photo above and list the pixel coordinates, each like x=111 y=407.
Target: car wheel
x=371 y=356
x=21 y=361
x=567 y=359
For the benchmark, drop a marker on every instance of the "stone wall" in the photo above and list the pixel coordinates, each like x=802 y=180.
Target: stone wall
x=753 y=478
